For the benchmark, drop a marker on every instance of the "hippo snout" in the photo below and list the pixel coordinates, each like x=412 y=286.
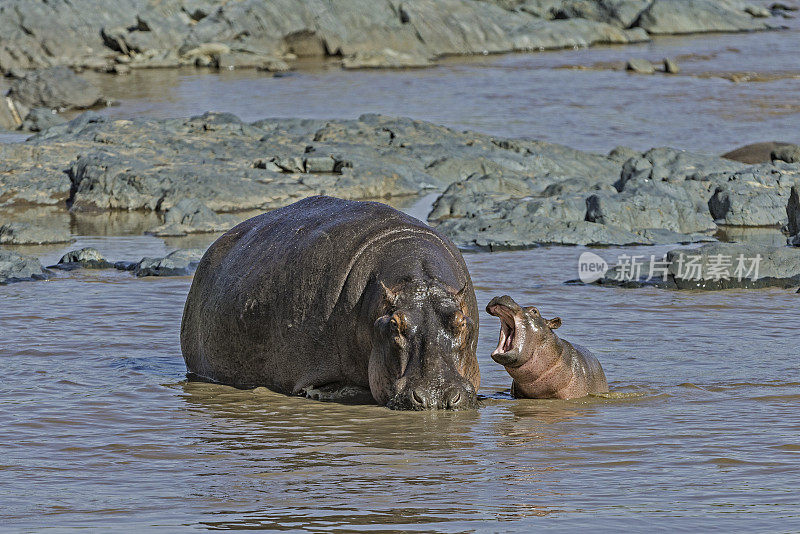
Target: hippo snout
x=512 y=358
x=456 y=397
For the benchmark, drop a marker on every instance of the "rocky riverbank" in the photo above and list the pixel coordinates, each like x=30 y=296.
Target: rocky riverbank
x=200 y=174
x=270 y=36
x=117 y=36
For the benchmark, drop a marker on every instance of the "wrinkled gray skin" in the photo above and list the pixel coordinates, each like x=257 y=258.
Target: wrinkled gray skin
x=338 y=300
x=542 y=365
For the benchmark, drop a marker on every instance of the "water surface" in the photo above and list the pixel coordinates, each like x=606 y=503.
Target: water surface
x=701 y=428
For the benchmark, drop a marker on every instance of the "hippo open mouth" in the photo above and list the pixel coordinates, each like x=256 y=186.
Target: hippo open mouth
x=507 y=352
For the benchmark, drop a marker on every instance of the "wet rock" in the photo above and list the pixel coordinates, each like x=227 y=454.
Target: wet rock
x=754 y=196
x=576 y=185
x=22 y=233
x=39 y=119
x=663 y=236
x=86 y=258
x=654 y=205
x=497 y=222
x=757 y=11
x=56 y=88
x=95 y=33
x=671 y=66
x=793 y=215
x=640 y=66
x=190 y=216
x=671 y=165
x=509 y=234
x=18 y=268
x=694 y=16
x=622 y=13
x=755 y=152
x=155 y=33
x=755 y=235
x=622 y=154
x=711 y=267
x=739 y=204
x=782 y=6
x=178 y=263
x=94 y=163
x=386 y=58
x=788 y=153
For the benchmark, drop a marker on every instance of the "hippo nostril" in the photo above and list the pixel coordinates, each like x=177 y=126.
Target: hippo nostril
x=420 y=398
x=454 y=399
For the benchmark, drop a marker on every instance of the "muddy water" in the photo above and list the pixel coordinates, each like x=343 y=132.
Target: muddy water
x=701 y=429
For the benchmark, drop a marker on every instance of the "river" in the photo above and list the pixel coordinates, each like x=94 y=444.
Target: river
x=701 y=429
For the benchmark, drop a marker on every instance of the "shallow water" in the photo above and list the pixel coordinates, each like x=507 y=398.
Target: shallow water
x=700 y=431
x=701 y=427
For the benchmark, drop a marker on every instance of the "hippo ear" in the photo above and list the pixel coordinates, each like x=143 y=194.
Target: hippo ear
x=389 y=294
x=554 y=323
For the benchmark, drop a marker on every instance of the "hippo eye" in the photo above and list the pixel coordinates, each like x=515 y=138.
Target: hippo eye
x=398 y=324
x=460 y=322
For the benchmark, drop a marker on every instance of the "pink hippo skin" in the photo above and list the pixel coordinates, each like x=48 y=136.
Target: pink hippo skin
x=542 y=365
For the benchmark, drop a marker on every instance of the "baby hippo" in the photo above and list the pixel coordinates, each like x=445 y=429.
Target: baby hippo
x=542 y=365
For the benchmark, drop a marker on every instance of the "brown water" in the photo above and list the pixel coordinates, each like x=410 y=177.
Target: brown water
x=701 y=428
x=701 y=431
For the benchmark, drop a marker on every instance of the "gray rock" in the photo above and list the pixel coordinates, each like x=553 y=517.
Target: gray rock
x=93 y=163
x=190 y=216
x=576 y=185
x=178 y=263
x=662 y=236
x=664 y=206
x=740 y=204
x=712 y=267
x=622 y=154
x=386 y=58
x=670 y=66
x=510 y=234
x=783 y=6
x=757 y=235
x=86 y=258
x=640 y=66
x=788 y=153
x=757 y=11
x=621 y=13
x=39 y=119
x=671 y=165
x=793 y=215
x=694 y=16
x=22 y=233
x=97 y=33
x=754 y=196
x=56 y=88
x=18 y=268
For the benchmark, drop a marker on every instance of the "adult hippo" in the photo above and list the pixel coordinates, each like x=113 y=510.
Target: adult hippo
x=542 y=365
x=337 y=300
